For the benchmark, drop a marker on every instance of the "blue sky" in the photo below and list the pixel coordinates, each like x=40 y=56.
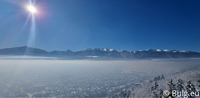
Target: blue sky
x=116 y=24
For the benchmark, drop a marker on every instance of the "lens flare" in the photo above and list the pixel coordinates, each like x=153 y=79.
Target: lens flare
x=32 y=9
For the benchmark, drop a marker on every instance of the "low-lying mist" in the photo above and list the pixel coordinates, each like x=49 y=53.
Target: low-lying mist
x=89 y=77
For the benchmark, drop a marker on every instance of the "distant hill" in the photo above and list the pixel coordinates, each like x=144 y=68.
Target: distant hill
x=101 y=53
x=24 y=50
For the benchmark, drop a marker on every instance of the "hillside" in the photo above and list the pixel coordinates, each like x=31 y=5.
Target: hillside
x=155 y=88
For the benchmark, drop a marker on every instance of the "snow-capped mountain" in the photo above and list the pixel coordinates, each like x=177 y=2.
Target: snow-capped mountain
x=102 y=53
x=98 y=49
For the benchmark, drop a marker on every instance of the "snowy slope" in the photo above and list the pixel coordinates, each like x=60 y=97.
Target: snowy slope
x=154 y=88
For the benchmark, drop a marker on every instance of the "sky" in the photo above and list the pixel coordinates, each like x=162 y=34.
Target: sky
x=115 y=24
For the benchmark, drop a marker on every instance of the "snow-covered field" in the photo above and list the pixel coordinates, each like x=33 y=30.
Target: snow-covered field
x=50 y=77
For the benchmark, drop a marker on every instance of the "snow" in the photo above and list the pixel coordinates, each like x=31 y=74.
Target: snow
x=166 y=50
x=174 y=51
x=145 y=89
x=104 y=49
x=149 y=49
x=83 y=50
x=120 y=50
x=182 y=51
x=67 y=50
x=158 y=50
x=111 y=49
x=158 y=84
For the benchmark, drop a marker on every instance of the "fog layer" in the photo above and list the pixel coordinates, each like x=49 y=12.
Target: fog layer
x=82 y=77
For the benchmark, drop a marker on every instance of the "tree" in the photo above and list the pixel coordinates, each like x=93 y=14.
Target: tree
x=162 y=76
x=190 y=88
x=180 y=86
x=171 y=88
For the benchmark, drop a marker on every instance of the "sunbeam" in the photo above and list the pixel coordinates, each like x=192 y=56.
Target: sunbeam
x=32 y=32
x=32 y=10
x=25 y=24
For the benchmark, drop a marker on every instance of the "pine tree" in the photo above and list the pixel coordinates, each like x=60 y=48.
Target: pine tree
x=156 y=85
x=162 y=76
x=180 y=86
x=190 y=88
x=171 y=88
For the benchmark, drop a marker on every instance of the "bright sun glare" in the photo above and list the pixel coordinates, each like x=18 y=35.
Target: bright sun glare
x=32 y=9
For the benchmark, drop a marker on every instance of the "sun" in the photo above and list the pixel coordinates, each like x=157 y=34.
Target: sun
x=32 y=9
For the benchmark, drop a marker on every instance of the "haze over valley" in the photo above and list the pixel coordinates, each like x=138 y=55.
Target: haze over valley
x=42 y=77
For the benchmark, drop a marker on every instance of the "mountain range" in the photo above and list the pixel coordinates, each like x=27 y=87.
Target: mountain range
x=102 y=53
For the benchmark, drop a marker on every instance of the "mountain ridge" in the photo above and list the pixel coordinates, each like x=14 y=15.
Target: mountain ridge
x=101 y=53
